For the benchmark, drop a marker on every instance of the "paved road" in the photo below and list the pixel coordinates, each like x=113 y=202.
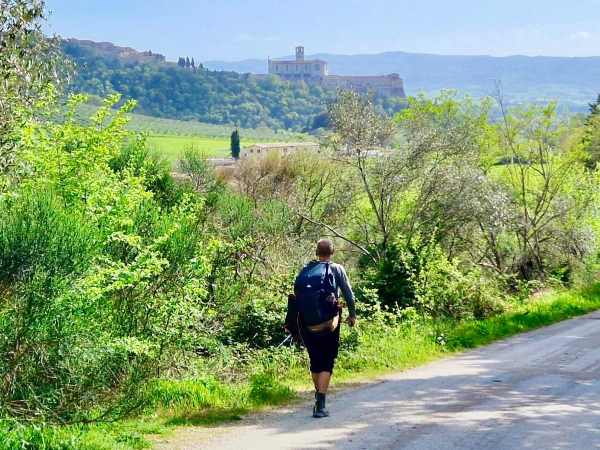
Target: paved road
x=540 y=390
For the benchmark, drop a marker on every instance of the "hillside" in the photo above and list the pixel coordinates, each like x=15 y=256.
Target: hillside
x=161 y=126
x=170 y=138
x=164 y=89
x=572 y=81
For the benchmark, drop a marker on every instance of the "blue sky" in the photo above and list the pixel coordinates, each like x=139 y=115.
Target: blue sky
x=238 y=29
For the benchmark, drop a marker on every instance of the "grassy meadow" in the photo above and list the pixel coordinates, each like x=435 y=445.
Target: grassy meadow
x=172 y=147
x=170 y=138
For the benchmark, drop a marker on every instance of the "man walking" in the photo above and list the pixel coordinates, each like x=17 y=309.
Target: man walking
x=317 y=290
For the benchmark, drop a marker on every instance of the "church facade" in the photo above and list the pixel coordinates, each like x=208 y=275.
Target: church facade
x=316 y=71
x=300 y=68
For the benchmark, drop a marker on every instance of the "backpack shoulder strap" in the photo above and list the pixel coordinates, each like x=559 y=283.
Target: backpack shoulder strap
x=331 y=278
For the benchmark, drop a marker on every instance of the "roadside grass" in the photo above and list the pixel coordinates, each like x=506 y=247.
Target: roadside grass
x=546 y=310
x=278 y=376
x=123 y=435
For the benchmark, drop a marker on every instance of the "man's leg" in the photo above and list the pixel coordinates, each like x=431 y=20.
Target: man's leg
x=322 y=381
x=315 y=378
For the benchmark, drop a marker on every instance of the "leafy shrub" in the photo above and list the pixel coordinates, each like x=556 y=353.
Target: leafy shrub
x=196 y=166
x=259 y=321
x=444 y=289
x=101 y=286
x=39 y=233
x=421 y=276
x=390 y=278
x=136 y=159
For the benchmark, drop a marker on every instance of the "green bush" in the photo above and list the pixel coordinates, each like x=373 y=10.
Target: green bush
x=136 y=159
x=390 y=277
x=422 y=277
x=38 y=232
x=259 y=321
x=101 y=287
x=444 y=289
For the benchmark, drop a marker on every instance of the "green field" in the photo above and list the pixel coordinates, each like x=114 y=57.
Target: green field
x=171 y=138
x=172 y=147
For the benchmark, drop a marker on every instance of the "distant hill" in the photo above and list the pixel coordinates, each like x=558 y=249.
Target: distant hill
x=572 y=81
x=165 y=89
x=78 y=48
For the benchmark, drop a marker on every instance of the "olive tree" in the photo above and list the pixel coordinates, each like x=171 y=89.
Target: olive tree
x=551 y=192
x=360 y=136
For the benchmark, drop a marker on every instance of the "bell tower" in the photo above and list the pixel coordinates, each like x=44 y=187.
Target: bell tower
x=299 y=53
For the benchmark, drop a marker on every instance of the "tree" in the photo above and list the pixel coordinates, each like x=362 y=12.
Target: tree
x=595 y=107
x=235 y=144
x=551 y=191
x=591 y=135
x=320 y=121
x=360 y=134
x=187 y=62
x=591 y=140
x=196 y=166
x=29 y=64
x=181 y=62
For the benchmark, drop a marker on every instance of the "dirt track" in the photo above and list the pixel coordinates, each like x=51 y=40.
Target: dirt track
x=540 y=390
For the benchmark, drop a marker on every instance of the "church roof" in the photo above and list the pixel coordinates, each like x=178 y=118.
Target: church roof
x=304 y=61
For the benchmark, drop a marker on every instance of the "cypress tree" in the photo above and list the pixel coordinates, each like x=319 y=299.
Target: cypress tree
x=595 y=107
x=235 y=144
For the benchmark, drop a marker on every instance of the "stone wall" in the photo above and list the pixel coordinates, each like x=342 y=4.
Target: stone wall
x=386 y=85
x=283 y=148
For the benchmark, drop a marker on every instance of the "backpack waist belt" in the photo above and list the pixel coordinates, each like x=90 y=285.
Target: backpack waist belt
x=329 y=325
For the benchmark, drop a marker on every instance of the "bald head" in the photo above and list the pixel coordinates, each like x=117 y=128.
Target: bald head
x=324 y=249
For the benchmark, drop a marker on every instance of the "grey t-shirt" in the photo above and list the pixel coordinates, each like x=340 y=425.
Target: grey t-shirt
x=343 y=283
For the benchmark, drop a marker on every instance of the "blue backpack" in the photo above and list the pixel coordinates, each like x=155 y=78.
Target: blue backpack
x=316 y=293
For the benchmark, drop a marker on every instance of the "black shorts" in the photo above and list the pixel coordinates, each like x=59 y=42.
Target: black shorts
x=322 y=348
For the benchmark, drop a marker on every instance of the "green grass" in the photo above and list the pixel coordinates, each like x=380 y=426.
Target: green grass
x=172 y=147
x=545 y=311
x=170 y=137
x=274 y=377
x=124 y=435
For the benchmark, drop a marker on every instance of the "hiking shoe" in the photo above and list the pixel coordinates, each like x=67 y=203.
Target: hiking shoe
x=319 y=410
x=320 y=413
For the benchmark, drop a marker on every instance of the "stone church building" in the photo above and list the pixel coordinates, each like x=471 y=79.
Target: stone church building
x=300 y=68
x=316 y=71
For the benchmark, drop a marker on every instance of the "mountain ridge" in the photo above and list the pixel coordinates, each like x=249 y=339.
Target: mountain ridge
x=573 y=81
